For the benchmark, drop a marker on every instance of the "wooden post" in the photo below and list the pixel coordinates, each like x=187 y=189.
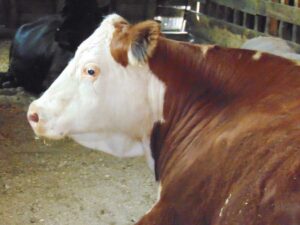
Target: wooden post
x=272 y=24
x=282 y=24
x=256 y=22
x=295 y=27
x=245 y=20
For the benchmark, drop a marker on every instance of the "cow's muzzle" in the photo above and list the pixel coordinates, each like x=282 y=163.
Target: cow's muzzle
x=33 y=118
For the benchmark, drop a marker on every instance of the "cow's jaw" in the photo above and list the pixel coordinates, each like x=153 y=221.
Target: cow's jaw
x=116 y=144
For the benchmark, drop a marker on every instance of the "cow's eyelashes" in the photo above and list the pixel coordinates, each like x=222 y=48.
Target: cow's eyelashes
x=91 y=70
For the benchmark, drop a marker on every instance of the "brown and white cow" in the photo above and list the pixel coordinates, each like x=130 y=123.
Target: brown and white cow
x=220 y=126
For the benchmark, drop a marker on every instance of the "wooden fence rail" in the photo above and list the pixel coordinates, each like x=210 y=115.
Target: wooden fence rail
x=280 y=18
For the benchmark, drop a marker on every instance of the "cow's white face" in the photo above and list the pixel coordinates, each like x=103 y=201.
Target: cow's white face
x=98 y=102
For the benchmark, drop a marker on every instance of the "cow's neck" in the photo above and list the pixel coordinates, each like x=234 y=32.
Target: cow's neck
x=190 y=99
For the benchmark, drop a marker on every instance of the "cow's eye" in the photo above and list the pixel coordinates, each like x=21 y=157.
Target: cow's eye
x=91 y=70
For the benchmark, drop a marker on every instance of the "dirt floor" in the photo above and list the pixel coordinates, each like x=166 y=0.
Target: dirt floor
x=62 y=183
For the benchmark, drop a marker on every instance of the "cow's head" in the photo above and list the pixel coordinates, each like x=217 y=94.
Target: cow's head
x=106 y=98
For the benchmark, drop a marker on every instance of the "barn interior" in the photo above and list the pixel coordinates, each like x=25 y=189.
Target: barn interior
x=63 y=183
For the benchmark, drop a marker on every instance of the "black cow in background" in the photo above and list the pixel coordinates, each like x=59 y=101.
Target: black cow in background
x=40 y=50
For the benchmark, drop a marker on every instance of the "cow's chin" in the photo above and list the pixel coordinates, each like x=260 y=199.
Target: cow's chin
x=50 y=135
x=116 y=144
x=42 y=132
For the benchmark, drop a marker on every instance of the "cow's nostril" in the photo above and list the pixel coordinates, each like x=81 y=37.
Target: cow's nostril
x=34 y=117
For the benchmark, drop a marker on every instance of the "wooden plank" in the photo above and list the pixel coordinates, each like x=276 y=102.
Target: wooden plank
x=223 y=33
x=270 y=8
x=282 y=12
x=249 y=6
x=273 y=9
x=218 y=31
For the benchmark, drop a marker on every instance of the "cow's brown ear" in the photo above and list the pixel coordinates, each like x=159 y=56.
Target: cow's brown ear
x=143 y=40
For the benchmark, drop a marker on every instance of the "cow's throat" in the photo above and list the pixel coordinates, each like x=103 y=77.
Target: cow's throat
x=116 y=144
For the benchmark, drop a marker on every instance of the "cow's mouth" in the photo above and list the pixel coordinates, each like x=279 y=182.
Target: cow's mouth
x=41 y=130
